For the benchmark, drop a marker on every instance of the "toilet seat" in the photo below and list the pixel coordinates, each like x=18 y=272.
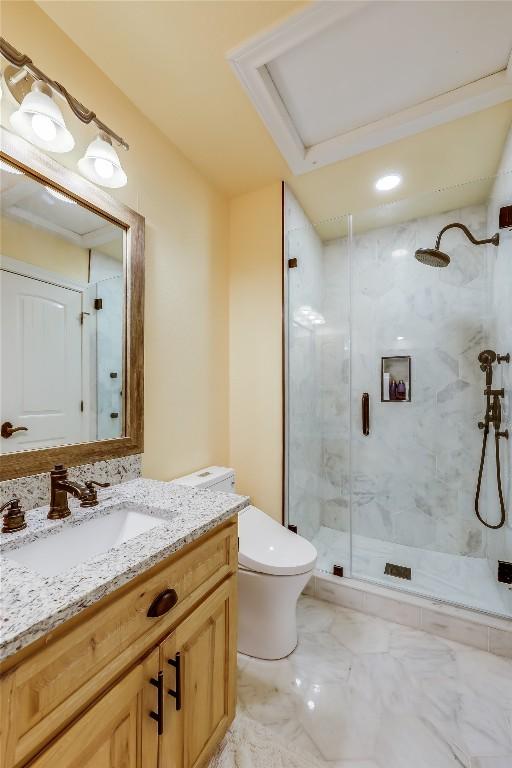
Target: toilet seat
x=267 y=547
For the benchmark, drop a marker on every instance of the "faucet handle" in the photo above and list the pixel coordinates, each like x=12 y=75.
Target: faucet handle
x=89 y=484
x=91 y=498
x=14 y=518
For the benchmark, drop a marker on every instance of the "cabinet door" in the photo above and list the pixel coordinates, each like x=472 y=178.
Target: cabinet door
x=206 y=643
x=117 y=731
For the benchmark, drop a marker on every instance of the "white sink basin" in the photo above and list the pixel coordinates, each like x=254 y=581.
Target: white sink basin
x=76 y=544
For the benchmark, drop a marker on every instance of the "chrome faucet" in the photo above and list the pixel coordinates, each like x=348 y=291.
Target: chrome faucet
x=60 y=486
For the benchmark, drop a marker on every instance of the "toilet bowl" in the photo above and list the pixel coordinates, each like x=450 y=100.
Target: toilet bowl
x=274 y=566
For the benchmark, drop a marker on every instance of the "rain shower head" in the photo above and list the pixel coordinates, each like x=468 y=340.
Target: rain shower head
x=433 y=257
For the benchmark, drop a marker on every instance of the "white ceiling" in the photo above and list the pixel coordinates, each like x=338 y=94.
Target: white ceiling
x=206 y=113
x=342 y=78
x=386 y=57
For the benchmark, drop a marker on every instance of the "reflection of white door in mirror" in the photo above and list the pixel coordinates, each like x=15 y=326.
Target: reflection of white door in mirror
x=41 y=363
x=106 y=284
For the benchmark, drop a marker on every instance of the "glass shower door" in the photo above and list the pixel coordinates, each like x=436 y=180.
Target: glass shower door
x=317 y=387
x=417 y=332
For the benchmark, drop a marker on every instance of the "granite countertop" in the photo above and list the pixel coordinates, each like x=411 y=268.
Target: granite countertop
x=32 y=605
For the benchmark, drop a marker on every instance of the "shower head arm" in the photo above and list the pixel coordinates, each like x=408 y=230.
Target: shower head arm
x=494 y=240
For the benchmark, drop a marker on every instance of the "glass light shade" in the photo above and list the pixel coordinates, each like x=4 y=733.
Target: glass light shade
x=40 y=121
x=9 y=168
x=101 y=163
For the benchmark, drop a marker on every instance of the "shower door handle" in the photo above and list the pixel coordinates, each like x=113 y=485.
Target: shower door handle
x=365 y=412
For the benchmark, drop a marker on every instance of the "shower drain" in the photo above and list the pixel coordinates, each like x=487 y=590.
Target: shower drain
x=400 y=571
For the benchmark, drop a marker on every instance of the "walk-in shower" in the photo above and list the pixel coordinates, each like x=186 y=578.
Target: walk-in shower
x=385 y=462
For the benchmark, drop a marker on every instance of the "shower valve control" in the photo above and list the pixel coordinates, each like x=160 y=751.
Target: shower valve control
x=503 y=358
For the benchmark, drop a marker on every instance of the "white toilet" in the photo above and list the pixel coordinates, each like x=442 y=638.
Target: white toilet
x=274 y=566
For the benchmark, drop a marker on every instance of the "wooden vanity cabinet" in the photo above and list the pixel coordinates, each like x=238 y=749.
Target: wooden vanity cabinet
x=69 y=703
x=199 y=664
x=116 y=732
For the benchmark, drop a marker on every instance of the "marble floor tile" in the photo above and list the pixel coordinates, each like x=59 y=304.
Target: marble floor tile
x=361 y=633
x=362 y=692
x=353 y=764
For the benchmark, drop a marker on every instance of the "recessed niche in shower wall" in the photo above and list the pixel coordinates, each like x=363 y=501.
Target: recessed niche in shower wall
x=395 y=386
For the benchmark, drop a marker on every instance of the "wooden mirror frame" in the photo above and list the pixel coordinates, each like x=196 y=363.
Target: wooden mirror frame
x=36 y=164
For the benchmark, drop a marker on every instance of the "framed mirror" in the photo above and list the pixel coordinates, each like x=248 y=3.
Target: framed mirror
x=72 y=291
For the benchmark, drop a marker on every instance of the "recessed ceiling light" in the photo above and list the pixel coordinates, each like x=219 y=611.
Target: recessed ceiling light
x=60 y=196
x=385 y=183
x=399 y=252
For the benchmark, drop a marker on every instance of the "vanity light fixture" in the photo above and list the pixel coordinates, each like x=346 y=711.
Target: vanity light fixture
x=101 y=163
x=40 y=121
x=385 y=183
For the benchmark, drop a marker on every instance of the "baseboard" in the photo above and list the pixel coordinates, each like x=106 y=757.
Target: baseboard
x=462 y=625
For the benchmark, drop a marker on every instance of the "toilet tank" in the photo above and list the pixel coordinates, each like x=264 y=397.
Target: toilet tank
x=210 y=478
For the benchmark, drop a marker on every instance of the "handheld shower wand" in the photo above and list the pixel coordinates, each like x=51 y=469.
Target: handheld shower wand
x=492 y=416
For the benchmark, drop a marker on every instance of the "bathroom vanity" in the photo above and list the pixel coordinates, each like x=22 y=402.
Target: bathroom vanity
x=118 y=620
x=129 y=657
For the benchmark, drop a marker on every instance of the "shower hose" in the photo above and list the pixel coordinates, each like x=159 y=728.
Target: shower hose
x=498 y=479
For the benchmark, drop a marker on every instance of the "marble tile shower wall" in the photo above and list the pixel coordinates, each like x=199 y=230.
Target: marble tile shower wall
x=414 y=476
x=334 y=339
x=34 y=490
x=305 y=292
x=500 y=541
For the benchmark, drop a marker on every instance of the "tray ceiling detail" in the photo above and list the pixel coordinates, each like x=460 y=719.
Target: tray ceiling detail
x=341 y=78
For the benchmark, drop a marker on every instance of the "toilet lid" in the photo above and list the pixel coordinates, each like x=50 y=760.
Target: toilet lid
x=266 y=546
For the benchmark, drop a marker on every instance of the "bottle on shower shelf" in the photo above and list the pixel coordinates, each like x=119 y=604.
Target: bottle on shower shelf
x=400 y=390
x=385 y=386
x=392 y=388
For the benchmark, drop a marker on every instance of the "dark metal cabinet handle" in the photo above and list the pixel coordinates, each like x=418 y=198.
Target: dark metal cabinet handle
x=176 y=663
x=365 y=403
x=159 y=714
x=163 y=603
x=7 y=430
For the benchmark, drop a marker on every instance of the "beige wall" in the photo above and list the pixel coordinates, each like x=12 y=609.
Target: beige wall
x=43 y=249
x=255 y=423
x=186 y=402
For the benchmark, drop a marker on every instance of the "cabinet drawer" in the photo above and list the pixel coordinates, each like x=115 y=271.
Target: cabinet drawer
x=49 y=687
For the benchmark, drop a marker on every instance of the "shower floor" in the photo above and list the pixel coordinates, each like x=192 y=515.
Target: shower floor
x=455 y=578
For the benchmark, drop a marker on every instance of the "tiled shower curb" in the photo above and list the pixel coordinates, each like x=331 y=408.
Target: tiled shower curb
x=462 y=625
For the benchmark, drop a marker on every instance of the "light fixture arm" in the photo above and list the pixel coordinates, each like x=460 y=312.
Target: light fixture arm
x=494 y=240
x=84 y=114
